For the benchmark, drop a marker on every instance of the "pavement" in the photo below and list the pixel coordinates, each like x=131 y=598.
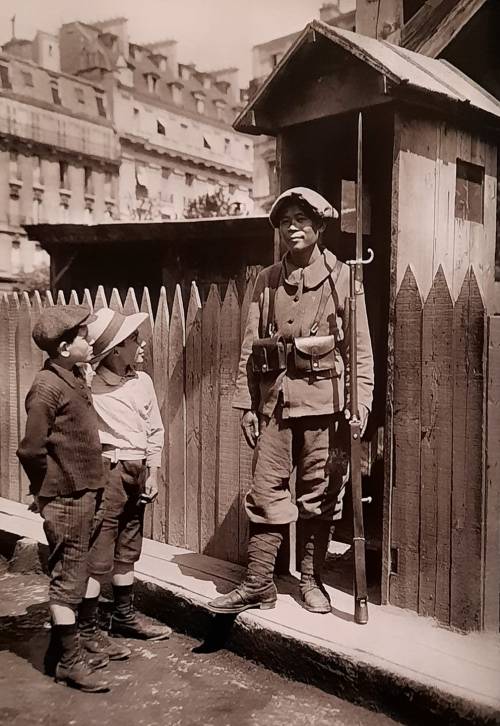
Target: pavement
x=399 y=662
x=174 y=682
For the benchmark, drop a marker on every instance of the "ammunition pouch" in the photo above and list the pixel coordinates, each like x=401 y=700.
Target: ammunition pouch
x=269 y=355
x=313 y=354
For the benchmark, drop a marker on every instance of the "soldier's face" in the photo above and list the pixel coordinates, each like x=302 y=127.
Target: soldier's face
x=297 y=230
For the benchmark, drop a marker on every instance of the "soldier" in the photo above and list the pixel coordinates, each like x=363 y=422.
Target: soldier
x=291 y=388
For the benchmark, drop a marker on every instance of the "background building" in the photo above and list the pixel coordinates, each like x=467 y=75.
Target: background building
x=173 y=121
x=95 y=128
x=59 y=155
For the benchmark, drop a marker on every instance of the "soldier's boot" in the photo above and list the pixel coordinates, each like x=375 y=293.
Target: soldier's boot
x=257 y=589
x=315 y=538
x=126 y=622
x=73 y=668
x=93 y=640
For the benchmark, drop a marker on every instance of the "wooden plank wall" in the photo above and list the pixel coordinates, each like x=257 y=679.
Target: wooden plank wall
x=437 y=518
x=192 y=356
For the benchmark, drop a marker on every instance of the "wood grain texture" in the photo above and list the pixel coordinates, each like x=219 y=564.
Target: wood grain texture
x=436 y=452
x=407 y=406
x=491 y=618
x=176 y=424
x=209 y=417
x=4 y=396
x=194 y=356
x=160 y=380
x=14 y=465
x=467 y=495
x=25 y=375
x=228 y=497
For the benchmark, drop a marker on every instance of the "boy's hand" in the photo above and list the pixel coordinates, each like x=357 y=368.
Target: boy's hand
x=33 y=507
x=151 y=483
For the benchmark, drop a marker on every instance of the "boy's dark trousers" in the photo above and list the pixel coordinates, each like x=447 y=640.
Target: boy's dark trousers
x=116 y=542
x=67 y=523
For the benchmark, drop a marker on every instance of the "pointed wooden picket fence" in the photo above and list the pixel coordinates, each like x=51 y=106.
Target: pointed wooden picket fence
x=191 y=353
x=437 y=497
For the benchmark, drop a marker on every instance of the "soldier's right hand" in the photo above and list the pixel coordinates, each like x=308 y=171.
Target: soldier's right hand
x=250 y=426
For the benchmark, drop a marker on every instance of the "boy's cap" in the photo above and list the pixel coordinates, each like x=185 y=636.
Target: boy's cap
x=55 y=321
x=110 y=328
x=318 y=204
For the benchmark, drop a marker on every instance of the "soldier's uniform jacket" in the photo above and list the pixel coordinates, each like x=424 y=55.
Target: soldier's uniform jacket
x=299 y=297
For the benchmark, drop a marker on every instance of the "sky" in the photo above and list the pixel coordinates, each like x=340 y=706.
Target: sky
x=211 y=33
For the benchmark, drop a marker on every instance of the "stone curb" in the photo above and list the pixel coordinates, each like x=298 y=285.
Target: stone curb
x=407 y=700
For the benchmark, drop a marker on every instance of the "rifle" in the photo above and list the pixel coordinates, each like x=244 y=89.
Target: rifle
x=355 y=278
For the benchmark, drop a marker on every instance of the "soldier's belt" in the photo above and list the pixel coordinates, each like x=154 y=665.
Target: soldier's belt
x=307 y=355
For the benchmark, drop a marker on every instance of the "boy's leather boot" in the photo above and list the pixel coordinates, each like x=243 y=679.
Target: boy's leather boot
x=73 y=669
x=257 y=589
x=315 y=536
x=54 y=653
x=92 y=638
x=126 y=622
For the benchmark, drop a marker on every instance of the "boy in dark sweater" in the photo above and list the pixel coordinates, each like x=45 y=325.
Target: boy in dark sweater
x=61 y=455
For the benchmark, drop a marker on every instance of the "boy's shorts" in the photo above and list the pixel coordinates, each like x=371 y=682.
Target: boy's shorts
x=67 y=523
x=118 y=524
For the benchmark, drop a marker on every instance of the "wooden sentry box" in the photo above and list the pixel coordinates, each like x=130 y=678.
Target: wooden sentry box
x=430 y=177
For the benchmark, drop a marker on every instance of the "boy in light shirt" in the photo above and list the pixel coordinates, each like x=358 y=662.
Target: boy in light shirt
x=132 y=435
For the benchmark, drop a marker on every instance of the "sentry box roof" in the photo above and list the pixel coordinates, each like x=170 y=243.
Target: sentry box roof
x=329 y=71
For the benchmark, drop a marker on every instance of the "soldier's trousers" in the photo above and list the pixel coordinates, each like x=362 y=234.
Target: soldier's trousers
x=317 y=446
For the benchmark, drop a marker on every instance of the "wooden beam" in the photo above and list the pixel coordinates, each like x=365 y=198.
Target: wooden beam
x=435 y=25
x=382 y=19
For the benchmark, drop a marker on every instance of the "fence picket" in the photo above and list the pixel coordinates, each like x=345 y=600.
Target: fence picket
x=210 y=328
x=36 y=354
x=176 y=491
x=435 y=458
x=60 y=299
x=146 y=332
x=160 y=379
x=73 y=298
x=406 y=490
x=466 y=547
x=14 y=466
x=25 y=373
x=87 y=299
x=228 y=496
x=115 y=302
x=100 y=299
x=193 y=399
x=246 y=453
x=4 y=396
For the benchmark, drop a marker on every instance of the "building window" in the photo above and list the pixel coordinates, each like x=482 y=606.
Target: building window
x=152 y=82
x=36 y=210
x=4 y=77
x=141 y=184
x=200 y=105
x=100 y=106
x=189 y=179
x=136 y=120
x=16 y=254
x=88 y=215
x=79 y=95
x=108 y=185
x=275 y=59
x=37 y=171
x=176 y=95
x=27 y=78
x=166 y=171
x=160 y=128
x=232 y=188
x=63 y=175
x=469 y=192
x=88 y=187
x=206 y=143
x=63 y=213
x=55 y=93
x=14 y=172
x=227 y=146
x=163 y=65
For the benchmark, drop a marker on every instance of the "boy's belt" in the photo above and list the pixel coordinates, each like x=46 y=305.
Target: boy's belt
x=111 y=452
